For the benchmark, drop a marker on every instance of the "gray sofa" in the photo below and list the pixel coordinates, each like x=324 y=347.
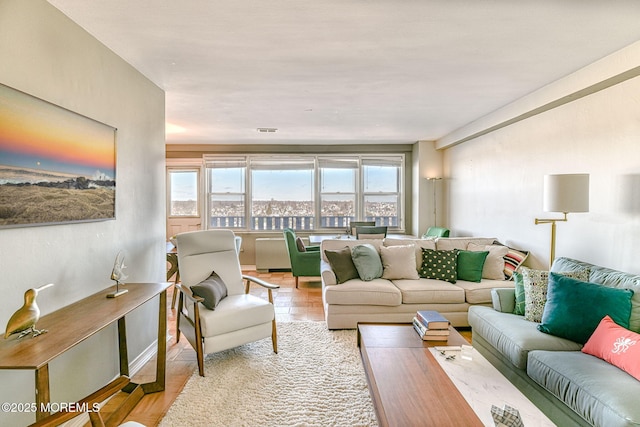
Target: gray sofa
x=571 y=387
x=382 y=300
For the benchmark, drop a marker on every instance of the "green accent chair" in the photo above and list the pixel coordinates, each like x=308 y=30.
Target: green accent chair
x=303 y=263
x=436 y=232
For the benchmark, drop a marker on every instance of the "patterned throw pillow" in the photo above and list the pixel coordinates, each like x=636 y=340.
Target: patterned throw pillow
x=440 y=265
x=512 y=260
x=535 y=290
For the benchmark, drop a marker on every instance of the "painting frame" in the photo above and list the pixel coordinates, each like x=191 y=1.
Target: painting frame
x=56 y=166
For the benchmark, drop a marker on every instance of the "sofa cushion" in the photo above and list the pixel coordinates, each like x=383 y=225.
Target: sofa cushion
x=399 y=262
x=418 y=243
x=342 y=264
x=470 y=264
x=359 y=292
x=440 y=265
x=367 y=261
x=480 y=292
x=429 y=291
x=513 y=336
x=461 y=243
x=536 y=283
x=494 y=265
x=599 y=392
x=616 y=345
x=575 y=308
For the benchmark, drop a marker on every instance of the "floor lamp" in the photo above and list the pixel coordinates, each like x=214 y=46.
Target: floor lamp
x=435 y=212
x=565 y=193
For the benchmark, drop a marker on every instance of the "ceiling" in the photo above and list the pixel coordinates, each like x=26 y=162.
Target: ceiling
x=349 y=71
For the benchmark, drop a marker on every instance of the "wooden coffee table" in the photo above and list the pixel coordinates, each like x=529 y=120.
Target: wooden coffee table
x=407 y=384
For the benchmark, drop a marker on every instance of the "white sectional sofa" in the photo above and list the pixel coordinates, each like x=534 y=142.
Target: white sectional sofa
x=398 y=300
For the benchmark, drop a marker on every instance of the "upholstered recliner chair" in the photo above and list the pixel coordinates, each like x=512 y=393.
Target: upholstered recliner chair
x=305 y=260
x=236 y=319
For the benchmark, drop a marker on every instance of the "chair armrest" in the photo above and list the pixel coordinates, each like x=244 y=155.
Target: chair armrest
x=503 y=299
x=186 y=291
x=312 y=248
x=260 y=282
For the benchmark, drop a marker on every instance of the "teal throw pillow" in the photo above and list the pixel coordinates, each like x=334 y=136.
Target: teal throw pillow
x=440 y=265
x=367 y=261
x=470 y=265
x=575 y=308
x=518 y=281
x=342 y=264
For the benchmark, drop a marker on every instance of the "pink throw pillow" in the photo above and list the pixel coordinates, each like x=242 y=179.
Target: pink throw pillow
x=616 y=345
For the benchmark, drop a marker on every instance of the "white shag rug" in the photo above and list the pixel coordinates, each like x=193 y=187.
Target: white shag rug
x=316 y=379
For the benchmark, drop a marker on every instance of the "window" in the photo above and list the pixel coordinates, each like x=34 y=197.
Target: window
x=381 y=190
x=338 y=178
x=282 y=194
x=226 y=182
x=304 y=192
x=183 y=193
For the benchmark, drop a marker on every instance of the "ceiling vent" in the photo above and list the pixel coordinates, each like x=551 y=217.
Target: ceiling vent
x=267 y=130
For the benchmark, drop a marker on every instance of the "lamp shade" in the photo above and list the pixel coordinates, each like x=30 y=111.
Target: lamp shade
x=566 y=193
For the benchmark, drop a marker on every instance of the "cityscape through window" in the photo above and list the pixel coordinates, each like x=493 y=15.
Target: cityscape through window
x=310 y=192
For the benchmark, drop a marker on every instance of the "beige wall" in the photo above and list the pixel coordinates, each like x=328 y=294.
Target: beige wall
x=494 y=182
x=46 y=55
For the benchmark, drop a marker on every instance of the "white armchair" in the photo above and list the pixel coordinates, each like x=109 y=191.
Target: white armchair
x=237 y=319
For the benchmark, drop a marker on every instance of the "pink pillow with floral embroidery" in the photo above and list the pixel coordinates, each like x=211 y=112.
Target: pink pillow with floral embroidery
x=616 y=345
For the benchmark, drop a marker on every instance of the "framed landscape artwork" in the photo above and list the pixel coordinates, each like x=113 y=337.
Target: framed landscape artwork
x=56 y=166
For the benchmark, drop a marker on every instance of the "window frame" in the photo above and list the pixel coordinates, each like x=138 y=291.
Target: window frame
x=361 y=159
x=182 y=169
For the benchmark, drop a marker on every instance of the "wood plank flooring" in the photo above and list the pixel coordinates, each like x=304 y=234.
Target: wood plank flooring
x=304 y=303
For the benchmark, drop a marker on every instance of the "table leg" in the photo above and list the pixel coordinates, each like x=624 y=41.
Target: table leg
x=161 y=359
x=42 y=391
x=122 y=347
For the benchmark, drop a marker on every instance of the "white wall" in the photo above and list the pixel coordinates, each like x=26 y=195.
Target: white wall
x=494 y=182
x=46 y=55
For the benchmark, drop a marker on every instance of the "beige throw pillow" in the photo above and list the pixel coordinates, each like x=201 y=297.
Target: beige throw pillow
x=399 y=262
x=494 y=264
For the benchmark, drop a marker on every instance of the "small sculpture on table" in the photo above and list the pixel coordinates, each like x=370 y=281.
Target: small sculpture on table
x=23 y=321
x=118 y=275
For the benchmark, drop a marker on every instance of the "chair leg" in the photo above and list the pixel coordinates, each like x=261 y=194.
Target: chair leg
x=274 y=336
x=296 y=282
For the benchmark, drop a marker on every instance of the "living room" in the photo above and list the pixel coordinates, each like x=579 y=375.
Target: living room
x=585 y=122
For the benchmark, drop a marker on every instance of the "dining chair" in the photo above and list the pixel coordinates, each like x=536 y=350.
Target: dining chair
x=354 y=224
x=371 y=232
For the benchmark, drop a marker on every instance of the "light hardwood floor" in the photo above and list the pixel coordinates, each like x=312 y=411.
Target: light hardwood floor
x=304 y=303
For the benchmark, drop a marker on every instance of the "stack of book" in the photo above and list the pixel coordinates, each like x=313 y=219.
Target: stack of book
x=431 y=325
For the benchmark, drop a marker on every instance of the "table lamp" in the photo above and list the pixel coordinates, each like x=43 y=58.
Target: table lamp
x=564 y=193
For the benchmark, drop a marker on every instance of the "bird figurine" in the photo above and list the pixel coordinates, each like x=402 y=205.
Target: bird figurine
x=23 y=321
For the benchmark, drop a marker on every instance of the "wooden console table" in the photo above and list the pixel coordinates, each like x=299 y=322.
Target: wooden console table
x=75 y=323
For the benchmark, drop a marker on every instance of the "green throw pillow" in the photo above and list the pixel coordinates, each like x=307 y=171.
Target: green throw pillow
x=519 y=286
x=470 y=265
x=367 y=261
x=441 y=265
x=575 y=308
x=342 y=264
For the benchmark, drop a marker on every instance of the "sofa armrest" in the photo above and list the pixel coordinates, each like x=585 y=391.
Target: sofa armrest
x=327 y=274
x=503 y=299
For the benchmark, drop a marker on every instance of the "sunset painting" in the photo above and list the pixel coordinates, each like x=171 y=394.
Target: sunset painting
x=56 y=166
